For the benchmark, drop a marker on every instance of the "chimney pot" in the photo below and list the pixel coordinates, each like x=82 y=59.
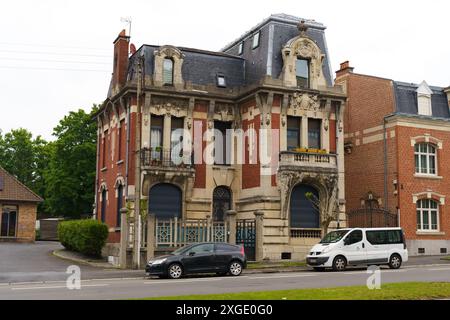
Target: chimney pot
x=345 y=68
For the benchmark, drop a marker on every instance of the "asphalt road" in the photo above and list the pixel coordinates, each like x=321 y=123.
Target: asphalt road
x=24 y=262
x=138 y=288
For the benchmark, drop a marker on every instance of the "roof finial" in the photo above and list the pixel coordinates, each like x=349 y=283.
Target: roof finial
x=302 y=27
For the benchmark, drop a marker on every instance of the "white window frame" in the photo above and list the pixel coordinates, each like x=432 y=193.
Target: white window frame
x=423 y=206
x=256 y=37
x=428 y=155
x=241 y=48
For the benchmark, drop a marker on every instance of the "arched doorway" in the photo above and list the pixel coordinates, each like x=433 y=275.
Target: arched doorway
x=221 y=202
x=165 y=201
x=303 y=214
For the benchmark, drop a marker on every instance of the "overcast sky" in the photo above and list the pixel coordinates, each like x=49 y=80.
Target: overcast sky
x=56 y=56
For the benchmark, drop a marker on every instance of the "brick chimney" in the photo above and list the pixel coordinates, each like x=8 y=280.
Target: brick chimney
x=121 y=45
x=345 y=69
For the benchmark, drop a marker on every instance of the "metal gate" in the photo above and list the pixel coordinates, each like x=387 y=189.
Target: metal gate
x=371 y=218
x=246 y=236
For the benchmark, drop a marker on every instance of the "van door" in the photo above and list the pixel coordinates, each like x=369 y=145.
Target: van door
x=377 y=246
x=354 y=248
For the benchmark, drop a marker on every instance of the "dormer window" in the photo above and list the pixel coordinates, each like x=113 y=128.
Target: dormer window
x=241 y=48
x=302 y=72
x=424 y=99
x=168 y=72
x=255 y=43
x=221 y=81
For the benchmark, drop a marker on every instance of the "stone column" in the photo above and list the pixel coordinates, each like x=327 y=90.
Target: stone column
x=304 y=132
x=167 y=134
x=151 y=221
x=259 y=237
x=124 y=233
x=231 y=217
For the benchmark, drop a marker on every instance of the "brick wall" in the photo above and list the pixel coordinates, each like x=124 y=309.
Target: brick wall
x=370 y=99
x=26 y=226
x=409 y=184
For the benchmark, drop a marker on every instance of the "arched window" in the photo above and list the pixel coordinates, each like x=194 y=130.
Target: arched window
x=425 y=158
x=427 y=215
x=168 y=71
x=103 y=208
x=119 y=203
x=165 y=201
x=221 y=202
x=303 y=214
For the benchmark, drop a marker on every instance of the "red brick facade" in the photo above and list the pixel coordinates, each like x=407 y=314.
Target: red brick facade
x=386 y=167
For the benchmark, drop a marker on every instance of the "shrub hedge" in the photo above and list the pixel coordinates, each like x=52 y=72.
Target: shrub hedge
x=85 y=236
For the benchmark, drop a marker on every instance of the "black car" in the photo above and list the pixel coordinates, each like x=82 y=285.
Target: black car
x=219 y=258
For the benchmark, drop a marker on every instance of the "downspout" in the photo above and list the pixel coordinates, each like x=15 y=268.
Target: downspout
x=338 y=107
x=386 y=200
x=94 y=213
x=126 y=107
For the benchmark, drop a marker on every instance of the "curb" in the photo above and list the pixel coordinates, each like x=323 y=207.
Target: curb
x=57 y=254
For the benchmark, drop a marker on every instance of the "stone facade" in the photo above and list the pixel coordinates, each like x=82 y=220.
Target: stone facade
x=258 y=106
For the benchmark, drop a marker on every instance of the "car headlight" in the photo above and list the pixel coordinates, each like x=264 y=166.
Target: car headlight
x=159 y=261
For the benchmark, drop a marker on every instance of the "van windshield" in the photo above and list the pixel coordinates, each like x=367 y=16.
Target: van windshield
x=334 y=236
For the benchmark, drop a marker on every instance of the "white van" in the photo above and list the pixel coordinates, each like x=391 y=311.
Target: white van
x=359 y=246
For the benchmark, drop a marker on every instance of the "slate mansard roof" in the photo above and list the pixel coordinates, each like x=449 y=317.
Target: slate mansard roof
x=13 y=190
x=201 y=67
x=406 y=100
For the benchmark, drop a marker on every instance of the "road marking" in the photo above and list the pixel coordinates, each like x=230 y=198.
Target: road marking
x=285 y=276
x=180 y=281
x=58 y=287
x=438 y=269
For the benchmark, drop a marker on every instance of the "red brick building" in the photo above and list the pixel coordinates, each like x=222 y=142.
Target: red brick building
x=277 y=78
x=396 y=137
x=18 y=207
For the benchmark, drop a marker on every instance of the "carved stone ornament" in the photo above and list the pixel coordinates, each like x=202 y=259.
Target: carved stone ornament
x=288 y=179
x=224 y=110
x=305 y=101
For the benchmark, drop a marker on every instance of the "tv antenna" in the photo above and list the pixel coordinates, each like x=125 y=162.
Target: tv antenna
x=128 y=21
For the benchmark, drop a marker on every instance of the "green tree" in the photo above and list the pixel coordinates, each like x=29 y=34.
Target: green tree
x=24 y=157
x=70 y=177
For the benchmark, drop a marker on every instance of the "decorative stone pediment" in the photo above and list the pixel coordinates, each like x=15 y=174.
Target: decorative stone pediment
x=177 y=56
x=302 y=47
x=169 y=106
x=224 y=110
x=305 y=101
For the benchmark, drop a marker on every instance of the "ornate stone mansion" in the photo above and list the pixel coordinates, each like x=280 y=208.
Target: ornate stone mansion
x=273 y=90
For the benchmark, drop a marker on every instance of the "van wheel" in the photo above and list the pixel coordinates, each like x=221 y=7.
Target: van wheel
x=395 y=261
x=339 y=263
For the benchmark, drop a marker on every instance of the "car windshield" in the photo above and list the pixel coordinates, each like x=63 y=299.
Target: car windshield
x=181 y=250
x=334 y=236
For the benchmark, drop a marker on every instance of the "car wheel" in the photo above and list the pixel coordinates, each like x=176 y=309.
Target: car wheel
x=235 y=268
x=339 y=263
x=395 y=261
x=175 y=271
x=319 y=269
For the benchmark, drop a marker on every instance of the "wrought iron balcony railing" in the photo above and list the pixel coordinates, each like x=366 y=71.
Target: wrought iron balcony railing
x=166 y=158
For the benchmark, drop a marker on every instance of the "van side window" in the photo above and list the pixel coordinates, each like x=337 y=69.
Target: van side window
x=354 y=237
x=384 y=237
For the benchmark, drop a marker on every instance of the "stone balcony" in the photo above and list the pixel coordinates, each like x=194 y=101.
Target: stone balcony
x=309 y=162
